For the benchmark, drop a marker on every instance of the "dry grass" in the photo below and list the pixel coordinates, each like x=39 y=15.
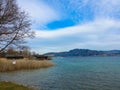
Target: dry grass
x=7 y=65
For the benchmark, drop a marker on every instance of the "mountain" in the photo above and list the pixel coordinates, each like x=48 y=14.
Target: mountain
x=85 y=52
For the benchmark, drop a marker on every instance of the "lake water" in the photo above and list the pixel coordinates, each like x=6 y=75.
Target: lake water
x=72 y=73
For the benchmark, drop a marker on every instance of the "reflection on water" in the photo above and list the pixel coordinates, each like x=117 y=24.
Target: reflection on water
x=72 y=73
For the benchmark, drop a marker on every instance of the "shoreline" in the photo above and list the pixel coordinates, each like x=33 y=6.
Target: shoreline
x=23 y=64
x=7 y=85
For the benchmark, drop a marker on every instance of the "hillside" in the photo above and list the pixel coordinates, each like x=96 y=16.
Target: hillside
x=85 y=52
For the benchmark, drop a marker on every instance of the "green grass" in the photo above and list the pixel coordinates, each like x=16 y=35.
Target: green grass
x=13 y=86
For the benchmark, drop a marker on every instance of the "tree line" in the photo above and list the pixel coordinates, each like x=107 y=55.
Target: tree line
x=22 y=50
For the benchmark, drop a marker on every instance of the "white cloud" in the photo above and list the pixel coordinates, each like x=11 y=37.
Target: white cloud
x=39 y=11
x=101 y=34
x=106 y=8
x=94 y=9
x=95 y=27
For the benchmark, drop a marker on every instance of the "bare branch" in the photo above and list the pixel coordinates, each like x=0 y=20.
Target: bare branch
x=14 y=24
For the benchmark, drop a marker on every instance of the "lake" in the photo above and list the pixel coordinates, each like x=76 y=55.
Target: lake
x=72 y=73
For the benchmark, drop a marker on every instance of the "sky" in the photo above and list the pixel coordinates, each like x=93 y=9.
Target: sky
x=62 y=25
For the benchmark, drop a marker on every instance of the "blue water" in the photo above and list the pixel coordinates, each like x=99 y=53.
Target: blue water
x=72 y=73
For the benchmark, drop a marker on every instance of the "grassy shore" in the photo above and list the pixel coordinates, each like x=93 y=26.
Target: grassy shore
x=7 y=65
x=13 y=86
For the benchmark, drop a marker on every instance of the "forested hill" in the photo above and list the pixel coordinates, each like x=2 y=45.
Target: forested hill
x=85 y=52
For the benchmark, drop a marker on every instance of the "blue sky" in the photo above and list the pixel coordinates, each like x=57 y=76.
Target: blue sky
x=61 y=25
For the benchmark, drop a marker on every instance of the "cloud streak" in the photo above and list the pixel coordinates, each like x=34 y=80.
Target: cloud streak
x=95 y=24
x=100 y=34
x=86 y=10
x=40 y=12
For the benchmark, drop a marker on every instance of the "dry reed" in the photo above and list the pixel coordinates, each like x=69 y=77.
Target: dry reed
x=7 y=65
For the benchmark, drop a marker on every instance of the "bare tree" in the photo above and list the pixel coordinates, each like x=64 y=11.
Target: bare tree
x=14 y=24
x=25 y=51
x=11 y=51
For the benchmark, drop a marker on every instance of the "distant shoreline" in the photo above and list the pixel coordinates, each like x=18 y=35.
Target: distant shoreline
x=85 y=53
